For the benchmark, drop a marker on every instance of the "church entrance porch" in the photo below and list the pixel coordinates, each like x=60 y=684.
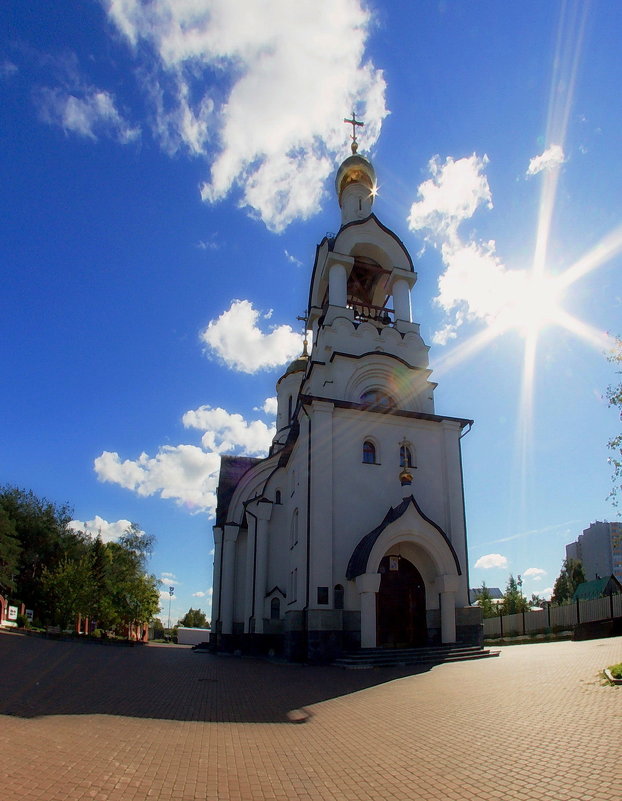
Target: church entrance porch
x=400 y=605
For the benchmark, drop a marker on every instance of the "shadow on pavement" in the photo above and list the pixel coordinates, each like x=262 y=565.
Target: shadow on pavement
x=43 y=677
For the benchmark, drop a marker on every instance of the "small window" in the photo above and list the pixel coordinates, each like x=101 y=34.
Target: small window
x=275 y=609
x=289 y=409
x=293 y=585
x=406 y=458
x=338 y=596
x=293 y=535
x=322 y=595
x=369 y=452
x=277 y=496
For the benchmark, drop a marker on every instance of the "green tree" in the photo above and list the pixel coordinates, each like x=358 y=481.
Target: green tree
x=486 y=604
x=513 y=599
x=67 y=588
x=45 y=540
x=194 y=618
x=9 y=553
x=571 y=575
x=614 y=397
x=536 y=600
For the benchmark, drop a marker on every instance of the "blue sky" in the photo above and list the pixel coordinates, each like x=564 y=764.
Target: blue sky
x=166 y=173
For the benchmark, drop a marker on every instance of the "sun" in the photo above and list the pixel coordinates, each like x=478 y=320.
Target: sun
x=535 y=303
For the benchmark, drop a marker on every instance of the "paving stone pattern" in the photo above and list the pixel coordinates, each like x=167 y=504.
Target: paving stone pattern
x=80 y=721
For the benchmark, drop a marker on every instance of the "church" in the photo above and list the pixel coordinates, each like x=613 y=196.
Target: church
x=351 y=533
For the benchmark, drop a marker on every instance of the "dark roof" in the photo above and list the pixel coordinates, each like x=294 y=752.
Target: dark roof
x=597 y=588
x=474 y=592
x=232 y=468
x=360 y=555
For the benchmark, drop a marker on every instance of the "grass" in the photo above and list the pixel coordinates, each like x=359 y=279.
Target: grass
x=616 y=670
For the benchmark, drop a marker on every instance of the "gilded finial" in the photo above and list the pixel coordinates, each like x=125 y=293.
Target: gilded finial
x=354 y=122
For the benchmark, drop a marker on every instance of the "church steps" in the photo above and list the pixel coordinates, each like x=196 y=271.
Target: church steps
x=382 y=657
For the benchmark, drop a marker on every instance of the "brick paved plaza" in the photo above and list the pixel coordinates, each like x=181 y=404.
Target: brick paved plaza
x=84 y=721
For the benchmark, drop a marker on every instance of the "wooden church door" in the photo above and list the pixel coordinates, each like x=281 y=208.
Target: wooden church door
x=400 y=613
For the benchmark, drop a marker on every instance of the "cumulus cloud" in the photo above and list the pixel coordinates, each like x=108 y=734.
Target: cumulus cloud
x=184 y=473
x=236 y=338
x=102 y=528
x=269 y=406
x=552 y=157
x=534 y=573
x=225 y=431
x=188 y=474
x=259 y=89
x=475 y=283
x=492 y=560
x=453 y=194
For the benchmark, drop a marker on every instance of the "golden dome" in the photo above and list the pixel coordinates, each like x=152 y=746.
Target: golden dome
x=355 y=169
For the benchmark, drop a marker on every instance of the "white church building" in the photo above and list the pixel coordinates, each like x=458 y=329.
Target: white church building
x=351 y=532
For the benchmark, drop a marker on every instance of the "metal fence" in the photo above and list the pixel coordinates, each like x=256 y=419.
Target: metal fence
x=554 y=617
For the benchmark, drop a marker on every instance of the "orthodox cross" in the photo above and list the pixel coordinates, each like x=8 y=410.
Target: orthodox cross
x=353 y=122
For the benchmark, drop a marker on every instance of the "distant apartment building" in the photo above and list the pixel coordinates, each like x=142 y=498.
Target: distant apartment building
x=600 y=550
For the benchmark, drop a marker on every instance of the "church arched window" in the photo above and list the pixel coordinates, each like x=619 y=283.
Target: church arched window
x=277 y=496
x=289 y=409
x=275 y=609
x=369 y=452
x=406 y=457
x=293 y=534
x=377 y=401
x=338 y=594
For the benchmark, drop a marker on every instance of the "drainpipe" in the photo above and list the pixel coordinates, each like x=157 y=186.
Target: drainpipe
x=306 y=606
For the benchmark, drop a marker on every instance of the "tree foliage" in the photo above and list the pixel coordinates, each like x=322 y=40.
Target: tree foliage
x=566 y=583
x=614 y=397
x=513 y=599
x=486 y=604
x=61 y=573
x=194 y=618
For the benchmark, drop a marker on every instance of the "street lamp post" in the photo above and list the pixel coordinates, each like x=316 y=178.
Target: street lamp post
x=171 y=590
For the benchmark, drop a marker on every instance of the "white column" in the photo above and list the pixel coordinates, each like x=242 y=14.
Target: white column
x=448 y=617
x=337 y=285
x=216 y=575
x=262 y=510
x=228 y=578
x=368 y=585
x=401 y=300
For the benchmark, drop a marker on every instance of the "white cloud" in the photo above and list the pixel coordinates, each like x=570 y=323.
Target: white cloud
x=475 y=283
x=100 y=527
x=534 y=573
x=185 y=473
x=546 y=593
x=270 y=406
x=452 y=195
x=259 y=89
x=168 y=577
x=237 y=339
x=188 y=474
x=552 y=157
x=492 y=560
x=86 y=111
x=201 y=594
x=292 y=259
x=166 y=596
x=225 y=431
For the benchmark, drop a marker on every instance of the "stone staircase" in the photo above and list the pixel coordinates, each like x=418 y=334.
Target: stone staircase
x=391 y=657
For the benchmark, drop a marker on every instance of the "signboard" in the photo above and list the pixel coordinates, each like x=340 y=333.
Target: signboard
x=394 y=563
x=30 y=614
x=12 y=613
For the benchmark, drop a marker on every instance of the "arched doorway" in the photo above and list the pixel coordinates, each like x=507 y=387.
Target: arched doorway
x=400 y=611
